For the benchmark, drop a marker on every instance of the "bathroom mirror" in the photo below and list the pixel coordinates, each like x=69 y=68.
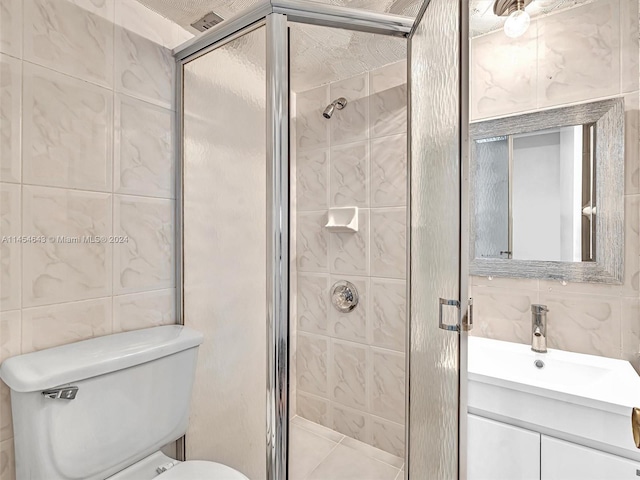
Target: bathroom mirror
x=547 y=194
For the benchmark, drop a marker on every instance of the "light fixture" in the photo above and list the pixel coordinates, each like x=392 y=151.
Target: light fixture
x=518 y=19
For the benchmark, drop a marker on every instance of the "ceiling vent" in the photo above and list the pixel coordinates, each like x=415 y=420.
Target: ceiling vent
x=206 y=22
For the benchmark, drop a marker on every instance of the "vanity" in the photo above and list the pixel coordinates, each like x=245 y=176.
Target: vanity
x=551 y=416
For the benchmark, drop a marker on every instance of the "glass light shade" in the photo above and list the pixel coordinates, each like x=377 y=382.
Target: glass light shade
x=517 y=23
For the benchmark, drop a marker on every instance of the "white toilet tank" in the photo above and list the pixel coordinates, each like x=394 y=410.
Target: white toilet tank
x=132 y=398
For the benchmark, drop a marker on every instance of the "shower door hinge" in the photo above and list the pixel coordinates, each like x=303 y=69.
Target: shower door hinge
x=467 y=320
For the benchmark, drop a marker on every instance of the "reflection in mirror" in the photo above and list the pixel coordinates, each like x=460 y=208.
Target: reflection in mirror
x=535 y=195
x=547 y=194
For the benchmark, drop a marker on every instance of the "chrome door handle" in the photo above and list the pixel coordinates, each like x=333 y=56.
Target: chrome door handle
x=449 y=303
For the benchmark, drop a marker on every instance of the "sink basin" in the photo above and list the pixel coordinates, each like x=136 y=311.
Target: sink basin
x=586 y=376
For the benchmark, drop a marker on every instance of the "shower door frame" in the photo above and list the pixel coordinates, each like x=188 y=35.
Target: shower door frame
x=275 y=14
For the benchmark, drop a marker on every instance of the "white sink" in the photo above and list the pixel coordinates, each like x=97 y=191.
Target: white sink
x=580 y=398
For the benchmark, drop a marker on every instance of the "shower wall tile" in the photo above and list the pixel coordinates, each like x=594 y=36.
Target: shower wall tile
x=388 y=242
x=61 y=271
x=352 y=123
x=143 y=69
x=144 y=149
x=11 y=27
x=144 y=310
x=388 y=100
x=504 y=73
x=584 y=323
x=389 y=171
x=312 y=357
x=135 y=17
x=349 y=252
x=10 y=251
x=313 y=302
x=313 y=408
x=53 y=325
x=387 y=436
x=102 y=8
x=388 y=312
x=312 y=242
x=67 y=131
x=348 y=366
x=579 y=54
x=7 y=460
x=388 y=384
x=353 y=325
x=312 y=129
x=145 y=259
x=350 y=175
x=350 y=422
x=67 y=38
x=10 y=118
x=312 y=180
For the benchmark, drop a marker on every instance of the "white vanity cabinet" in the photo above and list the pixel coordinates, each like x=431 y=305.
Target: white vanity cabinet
x=562 y=460
x=497 y=451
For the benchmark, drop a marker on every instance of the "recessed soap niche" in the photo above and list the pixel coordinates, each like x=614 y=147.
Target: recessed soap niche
x=342 y=220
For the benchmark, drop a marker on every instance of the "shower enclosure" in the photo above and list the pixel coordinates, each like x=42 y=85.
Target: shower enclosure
x=236 y=220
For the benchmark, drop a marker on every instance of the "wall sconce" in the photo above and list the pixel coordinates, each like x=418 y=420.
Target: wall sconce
x=518 y=19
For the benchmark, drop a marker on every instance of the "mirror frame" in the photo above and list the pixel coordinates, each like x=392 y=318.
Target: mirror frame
x=608 y=117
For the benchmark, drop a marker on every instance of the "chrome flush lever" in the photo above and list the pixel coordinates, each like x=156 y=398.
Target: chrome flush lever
x=64 y=393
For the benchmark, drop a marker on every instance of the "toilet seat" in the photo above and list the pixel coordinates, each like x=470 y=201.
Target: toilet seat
x=200 y=470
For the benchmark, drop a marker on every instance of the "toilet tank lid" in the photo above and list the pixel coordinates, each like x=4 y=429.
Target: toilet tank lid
x=89 y=358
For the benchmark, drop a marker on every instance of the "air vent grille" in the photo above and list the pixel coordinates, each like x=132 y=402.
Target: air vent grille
x=206 y=22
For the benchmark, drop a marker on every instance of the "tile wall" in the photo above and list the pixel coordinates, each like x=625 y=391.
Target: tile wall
x=350 y=367
x=86 y=149
x=574 y=56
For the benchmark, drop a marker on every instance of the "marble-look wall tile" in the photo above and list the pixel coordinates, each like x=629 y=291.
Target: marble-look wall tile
x=7 y=460
x=388 y=100
x=348 y=366
x=10 y=118
x=136 y=17
x=354 y=324
x=349 y=252
x=503 y=73
x=66 y=37
x=102 y=8
x=631 y=144
x=388 y=313
x=312 y=242
x=312 y=357
x=629 y=54
x=10 y=344
x=56 y=271
x=505 y=282
x=631 y=331
x=11 y=27
x=503 y=313
x=389 y=171
x=388 y=242
x=352 y=123
x=143 y=149
x=53 y=325
x=350 y=175
x=313 y=302
x=312 y=129
x=143 y=69
x=387 y=436
x=10 y=251
x=631 y=281
x=313 y=408
x=387 y=384
x=579 y=54
x=145 y=261
x=67 y=131
x=584 y=323
x=312 y=180
x=350 y=422
x=144 y=310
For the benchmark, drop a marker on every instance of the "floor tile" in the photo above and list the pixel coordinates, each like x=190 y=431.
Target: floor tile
x=306 y=451
x=345 y=463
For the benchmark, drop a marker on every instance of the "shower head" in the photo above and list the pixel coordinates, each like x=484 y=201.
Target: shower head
x=340 y=103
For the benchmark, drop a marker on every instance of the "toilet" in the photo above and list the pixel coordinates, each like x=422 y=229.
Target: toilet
x=104 y=408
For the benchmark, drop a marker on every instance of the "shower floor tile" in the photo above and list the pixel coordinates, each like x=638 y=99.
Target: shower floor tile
x=318 y=453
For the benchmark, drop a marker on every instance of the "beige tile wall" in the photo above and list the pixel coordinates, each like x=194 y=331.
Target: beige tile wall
x=350 y=367
x=578 y=55
x=86 y=149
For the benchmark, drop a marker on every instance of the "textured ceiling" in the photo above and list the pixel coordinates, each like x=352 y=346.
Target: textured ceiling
x=321 y=55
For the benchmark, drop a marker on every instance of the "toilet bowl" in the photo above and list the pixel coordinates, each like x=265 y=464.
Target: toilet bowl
x=103 y=408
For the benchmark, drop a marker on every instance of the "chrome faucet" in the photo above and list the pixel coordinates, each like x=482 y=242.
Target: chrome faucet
x=539 y=328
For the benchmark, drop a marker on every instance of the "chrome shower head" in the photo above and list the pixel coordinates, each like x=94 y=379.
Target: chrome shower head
x=340 y=103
